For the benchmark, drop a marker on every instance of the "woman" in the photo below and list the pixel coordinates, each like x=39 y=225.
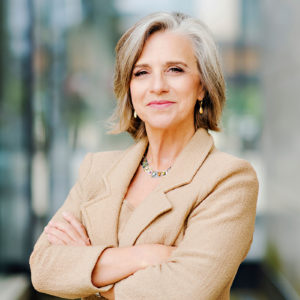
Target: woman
x=171 y=217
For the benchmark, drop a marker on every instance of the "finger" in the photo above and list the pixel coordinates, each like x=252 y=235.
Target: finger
x=77 y=225
x=61 y=235
x=67 y=229
x=74 y=233
x=54 y=240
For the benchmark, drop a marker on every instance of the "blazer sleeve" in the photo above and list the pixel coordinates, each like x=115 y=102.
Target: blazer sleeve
x=217 y=238
x=65 y=271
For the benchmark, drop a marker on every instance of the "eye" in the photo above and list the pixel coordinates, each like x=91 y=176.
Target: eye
x=176 y=70
x=139 y=73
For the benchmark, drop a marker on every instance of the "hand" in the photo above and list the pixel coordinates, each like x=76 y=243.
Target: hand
x=152 y=254
x=71 y=232
x=110 y=295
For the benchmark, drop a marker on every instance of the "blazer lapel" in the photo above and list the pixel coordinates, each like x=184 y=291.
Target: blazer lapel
x=101 y=214
x=157 y=202
x=189 y=161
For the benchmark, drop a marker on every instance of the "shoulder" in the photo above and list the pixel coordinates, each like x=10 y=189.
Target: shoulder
x=94 y=161
x=224 y=165
x=228 y=180
x=106 y=158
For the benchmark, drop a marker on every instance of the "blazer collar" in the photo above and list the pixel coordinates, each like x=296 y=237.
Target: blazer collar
x=101 y=212
x=182 y=172
x=119 y=176
x=189 y=160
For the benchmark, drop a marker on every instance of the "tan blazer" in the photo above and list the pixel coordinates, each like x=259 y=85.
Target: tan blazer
x=205 y=205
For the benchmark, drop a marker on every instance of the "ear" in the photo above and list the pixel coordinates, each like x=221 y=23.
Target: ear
x=201 y=92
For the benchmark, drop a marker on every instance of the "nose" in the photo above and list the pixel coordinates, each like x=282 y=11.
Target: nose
x=158 y=83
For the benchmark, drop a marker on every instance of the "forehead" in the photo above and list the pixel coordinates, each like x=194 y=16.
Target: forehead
x=167 y=46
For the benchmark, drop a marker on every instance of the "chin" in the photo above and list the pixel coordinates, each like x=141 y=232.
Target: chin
x=160 y=125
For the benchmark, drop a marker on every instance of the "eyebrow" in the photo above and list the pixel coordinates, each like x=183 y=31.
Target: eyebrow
x=167 y=64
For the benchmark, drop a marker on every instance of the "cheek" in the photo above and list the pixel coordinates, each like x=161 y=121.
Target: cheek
x=131 y=90
x=189 y=84
x=136 y=91
x=195 y=85
x=190 y=90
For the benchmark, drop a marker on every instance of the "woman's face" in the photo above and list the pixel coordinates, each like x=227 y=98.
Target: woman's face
x=165 y=83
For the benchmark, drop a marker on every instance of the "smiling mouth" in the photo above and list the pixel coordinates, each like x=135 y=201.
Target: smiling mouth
x=160 y=103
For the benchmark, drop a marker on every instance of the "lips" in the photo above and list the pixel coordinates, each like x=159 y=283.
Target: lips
x=160 y=103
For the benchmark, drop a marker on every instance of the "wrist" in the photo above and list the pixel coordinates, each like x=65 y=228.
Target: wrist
x=115 y=264
x=139 y=252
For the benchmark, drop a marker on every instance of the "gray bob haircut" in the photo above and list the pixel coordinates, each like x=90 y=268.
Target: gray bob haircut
x=128 y=51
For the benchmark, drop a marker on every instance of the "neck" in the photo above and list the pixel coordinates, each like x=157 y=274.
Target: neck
x=165 y=146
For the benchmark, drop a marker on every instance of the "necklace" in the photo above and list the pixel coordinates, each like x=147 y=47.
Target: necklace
x=149 y=171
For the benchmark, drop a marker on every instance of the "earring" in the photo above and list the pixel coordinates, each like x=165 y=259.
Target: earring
x=201 y=108
x=134 y=114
